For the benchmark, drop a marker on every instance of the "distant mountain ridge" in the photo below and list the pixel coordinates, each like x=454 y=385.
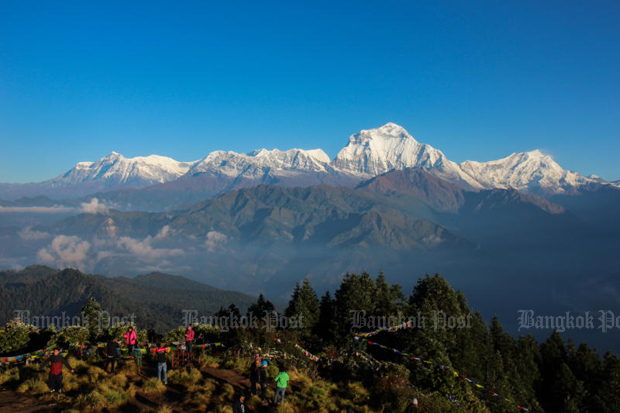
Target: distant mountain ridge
x=250 y=238
x=157 y=300
x=369 y=153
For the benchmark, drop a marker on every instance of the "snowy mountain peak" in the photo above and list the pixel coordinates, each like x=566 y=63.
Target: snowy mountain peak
x=261 y=162
x=526 y=171
x=114 y=170
x=376 y=151
x=113 y=156
x=389 y=131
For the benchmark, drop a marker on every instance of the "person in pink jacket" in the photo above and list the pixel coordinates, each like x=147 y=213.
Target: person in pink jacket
x=130 y=340
x=189 y=338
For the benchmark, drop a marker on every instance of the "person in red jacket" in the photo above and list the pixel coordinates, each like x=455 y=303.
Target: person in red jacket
x=130 y=340
x=56 y=362
x=189 y=338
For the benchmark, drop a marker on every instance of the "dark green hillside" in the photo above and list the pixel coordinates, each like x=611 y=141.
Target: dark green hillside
x=156 y=300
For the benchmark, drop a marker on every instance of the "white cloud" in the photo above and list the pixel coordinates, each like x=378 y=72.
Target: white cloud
x=72 y=251
x=144 y=251
x=94 y=207
x=163 y=233
x=27 y=234
x=214 y=240
x=66 y=251
x=433 y=240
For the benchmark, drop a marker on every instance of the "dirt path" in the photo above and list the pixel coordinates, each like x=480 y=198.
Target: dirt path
x=229 y=376
x=15 y=402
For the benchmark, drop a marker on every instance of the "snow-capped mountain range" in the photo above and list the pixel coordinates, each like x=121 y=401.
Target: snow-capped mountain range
x=368 y=153
x=115 y=169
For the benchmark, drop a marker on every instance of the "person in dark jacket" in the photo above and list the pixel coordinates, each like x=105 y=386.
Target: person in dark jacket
x=56 y=361
x=262 y=379
x=112 y=354
x=239 y=404
x=254 y=376
x=413 y=407
x=162 y=365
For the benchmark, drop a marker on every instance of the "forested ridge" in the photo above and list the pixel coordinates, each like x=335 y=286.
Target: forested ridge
x=497 y=372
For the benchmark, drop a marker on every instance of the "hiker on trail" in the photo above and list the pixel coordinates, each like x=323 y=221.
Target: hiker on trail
x=112 y=354
x=413 y=407
x=162 y=365
x=189 y=338
x=239 y=404
x=262 y=379
x=254 y=376
x=56 y=361
x=281 y=382
x=130 y=340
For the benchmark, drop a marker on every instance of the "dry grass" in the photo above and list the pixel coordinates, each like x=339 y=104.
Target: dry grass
x=185 y=377
x=34 y=387
x=153 y=386
x=11 y=375
x=210 y=361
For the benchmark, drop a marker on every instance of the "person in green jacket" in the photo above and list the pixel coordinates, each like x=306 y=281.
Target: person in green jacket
x=281 y=382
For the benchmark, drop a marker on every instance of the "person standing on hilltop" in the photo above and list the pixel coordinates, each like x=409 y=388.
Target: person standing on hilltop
x=254 y=376
x=56 y=361
x=189 y=338
x=112 y=354
x=239 y=404
x=130 y=340
x=162 y=360
x=413 y=407
x=281 y=382
x=262 y=378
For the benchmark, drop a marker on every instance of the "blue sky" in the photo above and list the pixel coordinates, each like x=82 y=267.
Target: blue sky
x=476 y=79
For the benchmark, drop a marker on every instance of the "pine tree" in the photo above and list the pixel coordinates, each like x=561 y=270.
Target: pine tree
x=354 y=296
x=291 y=308
x=606 y=399
x=94 y=319
x=261 y=307
x=382 y=300
x=553 y=371
x=304 y=304
x=326 y=326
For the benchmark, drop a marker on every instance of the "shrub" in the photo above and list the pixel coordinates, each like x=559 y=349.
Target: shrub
x=34 y=387
x=128 y=368
x=8 y=376
x=153 y=385
x=227 y=392
x=223 y=409
x=69 y=336
x=185 y=377
x=208 y=360
x=94 y=374
x=119 y=380
x=15 y=336
x=94 y=400
x=114 y=397
x=240 y=365
x=272 y=371
x=286 y=408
